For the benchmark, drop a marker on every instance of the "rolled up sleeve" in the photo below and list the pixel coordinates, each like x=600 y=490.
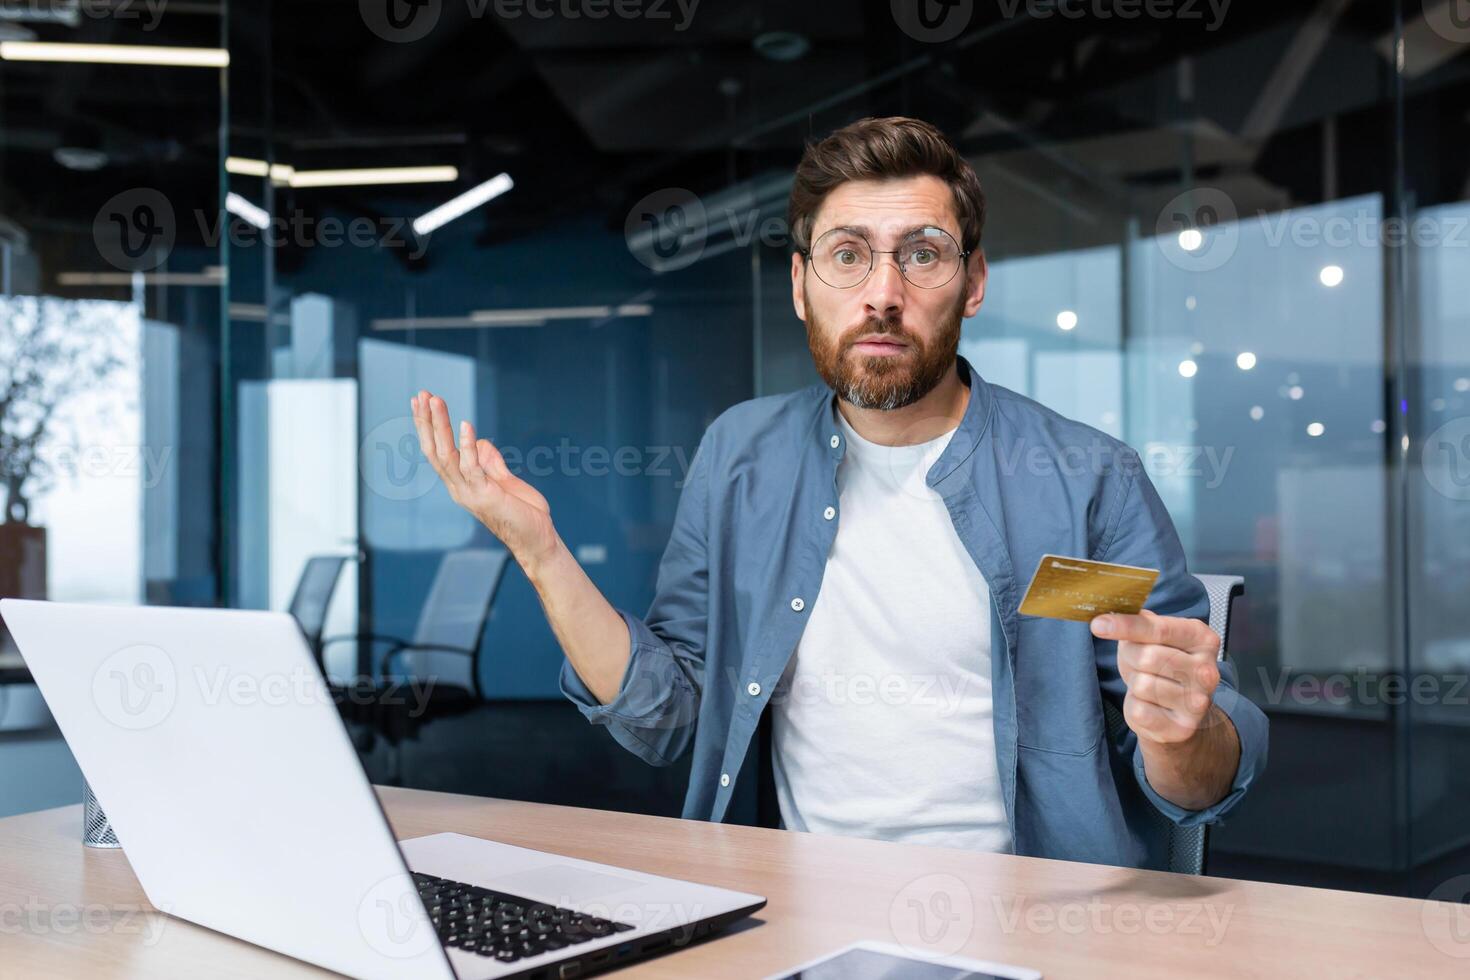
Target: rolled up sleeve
x=1141 y=533
x=1250 y=725
x=654 y=712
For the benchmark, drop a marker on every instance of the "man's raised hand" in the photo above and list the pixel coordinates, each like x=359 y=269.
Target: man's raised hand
x=479 y=481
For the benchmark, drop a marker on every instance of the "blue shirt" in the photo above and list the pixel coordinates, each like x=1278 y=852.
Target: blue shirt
x=743 y=569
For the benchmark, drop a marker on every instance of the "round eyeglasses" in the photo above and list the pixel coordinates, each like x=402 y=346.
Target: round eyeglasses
x=928 y=257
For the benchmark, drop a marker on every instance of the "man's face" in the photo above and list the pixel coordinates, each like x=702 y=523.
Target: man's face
x=885 y=343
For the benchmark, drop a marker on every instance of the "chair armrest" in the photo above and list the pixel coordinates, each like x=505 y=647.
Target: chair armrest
x=322 y=645
x=429 y=648
x=374 y=637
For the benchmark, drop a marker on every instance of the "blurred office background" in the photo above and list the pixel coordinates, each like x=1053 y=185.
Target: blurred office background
x=1235 y=235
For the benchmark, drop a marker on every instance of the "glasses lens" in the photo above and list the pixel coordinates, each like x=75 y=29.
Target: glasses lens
x=929 y=257
x=841 y=258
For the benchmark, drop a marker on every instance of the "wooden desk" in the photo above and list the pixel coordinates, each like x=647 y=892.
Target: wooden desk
x=67 y=910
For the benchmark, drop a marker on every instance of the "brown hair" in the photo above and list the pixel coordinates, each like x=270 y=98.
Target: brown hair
x=881 y=149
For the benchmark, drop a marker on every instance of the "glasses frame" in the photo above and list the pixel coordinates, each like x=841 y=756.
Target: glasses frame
x=873 y=254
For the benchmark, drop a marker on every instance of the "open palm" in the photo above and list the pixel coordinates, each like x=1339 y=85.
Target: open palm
x=479 y=481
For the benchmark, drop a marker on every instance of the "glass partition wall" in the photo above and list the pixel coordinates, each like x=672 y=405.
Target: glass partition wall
x=111 y=276
x=1430 y=445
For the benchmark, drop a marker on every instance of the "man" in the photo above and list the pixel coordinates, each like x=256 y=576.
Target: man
x=850 y=557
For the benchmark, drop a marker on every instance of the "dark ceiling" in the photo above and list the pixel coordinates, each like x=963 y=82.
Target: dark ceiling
x=591 y=114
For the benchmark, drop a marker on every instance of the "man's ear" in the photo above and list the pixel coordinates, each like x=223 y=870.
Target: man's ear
x=798 y=285
x=975 y=275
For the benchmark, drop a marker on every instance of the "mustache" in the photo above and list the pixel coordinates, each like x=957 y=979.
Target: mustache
x=889 y=326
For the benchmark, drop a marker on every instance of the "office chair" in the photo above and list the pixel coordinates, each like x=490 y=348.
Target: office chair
x=1187 y=845
x=313 y=595
x=445 y=648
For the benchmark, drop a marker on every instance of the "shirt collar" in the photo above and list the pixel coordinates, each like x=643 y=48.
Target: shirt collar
x=972 y=428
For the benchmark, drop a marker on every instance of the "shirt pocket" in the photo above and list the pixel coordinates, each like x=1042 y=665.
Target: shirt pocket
x=1058 y=701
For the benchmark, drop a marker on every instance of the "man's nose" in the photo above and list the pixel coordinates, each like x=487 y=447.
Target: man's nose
x=885 y=288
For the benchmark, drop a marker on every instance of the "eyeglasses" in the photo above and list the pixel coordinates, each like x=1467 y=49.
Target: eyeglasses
x=928 y=257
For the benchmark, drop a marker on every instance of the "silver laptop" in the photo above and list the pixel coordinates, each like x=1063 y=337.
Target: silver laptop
x=213 y=743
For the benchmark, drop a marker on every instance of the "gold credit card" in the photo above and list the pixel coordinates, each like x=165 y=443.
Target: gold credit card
x=1075 y=588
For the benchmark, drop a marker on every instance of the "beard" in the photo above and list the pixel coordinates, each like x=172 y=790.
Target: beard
x=886 y=382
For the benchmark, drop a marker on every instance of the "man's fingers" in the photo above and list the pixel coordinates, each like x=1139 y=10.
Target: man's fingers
x=444 y=449
x=501 y=475
x=491 y=461
x=1182 y=700
x=469 y=456
x=1155 y=721
x=1186 y=669
x=1146 y=687
x=1190 y=635
x=1168 y=677
x=1152 y=658
x=421 y=424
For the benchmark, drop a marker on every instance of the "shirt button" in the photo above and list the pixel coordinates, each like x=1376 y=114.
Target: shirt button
x=835 y=441
x=724 y=779
x=829 y=513
x=754 y=690
x=798 y=604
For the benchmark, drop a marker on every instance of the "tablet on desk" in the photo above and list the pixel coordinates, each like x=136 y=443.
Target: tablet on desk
x=880 y=961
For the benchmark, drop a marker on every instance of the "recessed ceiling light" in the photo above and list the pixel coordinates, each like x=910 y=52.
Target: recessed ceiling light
x=246 y=167
x=115 y=54
x=462 y=204
x=247 y=210
x=363 y=176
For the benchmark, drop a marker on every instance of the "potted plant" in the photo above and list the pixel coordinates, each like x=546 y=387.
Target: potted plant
x=50 y=349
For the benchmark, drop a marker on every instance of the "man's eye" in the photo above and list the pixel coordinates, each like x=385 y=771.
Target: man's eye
x=847 y=256
x=924 y=256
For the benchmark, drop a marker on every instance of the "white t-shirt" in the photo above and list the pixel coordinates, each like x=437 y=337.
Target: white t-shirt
x=882 y=721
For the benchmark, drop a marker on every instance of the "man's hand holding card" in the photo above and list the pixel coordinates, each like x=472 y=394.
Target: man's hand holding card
x=1168 y=664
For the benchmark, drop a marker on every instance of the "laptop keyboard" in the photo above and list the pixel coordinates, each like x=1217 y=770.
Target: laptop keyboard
x=503 y=927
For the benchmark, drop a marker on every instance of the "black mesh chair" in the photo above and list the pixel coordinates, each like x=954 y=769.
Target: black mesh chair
x=444 y=649
x=313 y=595
x=1187 y=845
